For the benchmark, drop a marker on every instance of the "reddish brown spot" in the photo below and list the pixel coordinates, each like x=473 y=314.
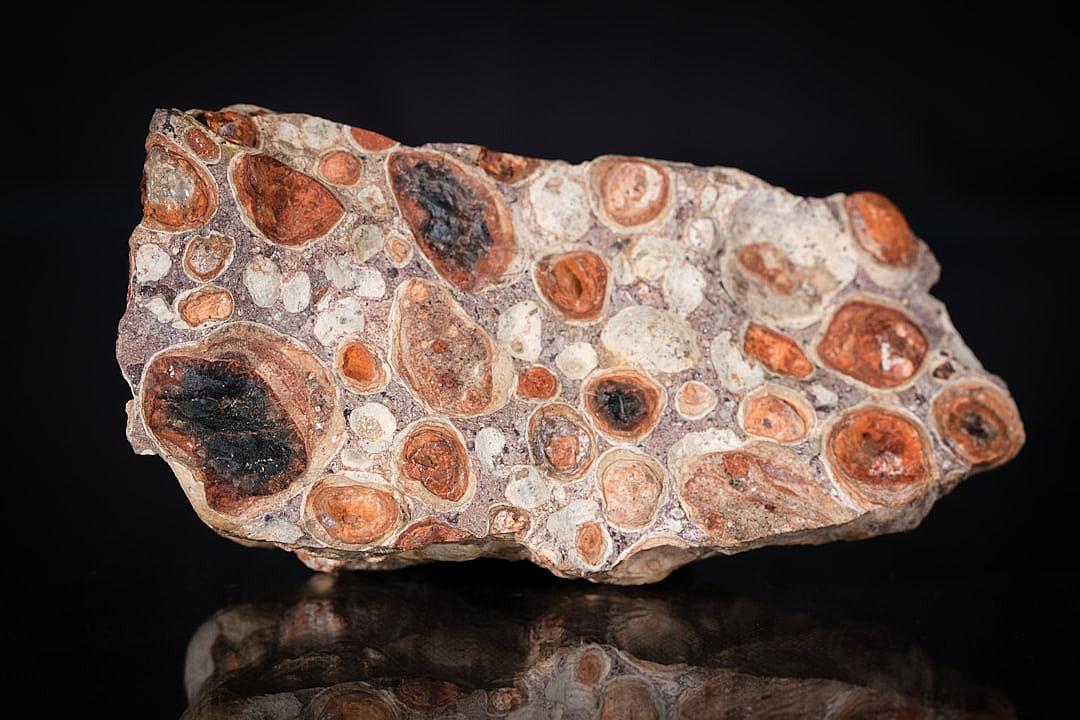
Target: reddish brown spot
x=202 y=145
x=398 y=249
x=770 y=265
x=353 y=514
x=245 y=409
x=357 y=704
x=428 y=532
x=589 y=669
x=979 y=423
x=776 y=416
x=590 y=543
x=631 y=484
x=880 y=456
x=447 y=359
x=360 y=367
x=624 y=404
x=560 y=442
x=460 y=223
x=508 y=520
x=233 y=126
x=537 y=383
x=426 y=694
x=433 y=456
x=371 y=141
x=628 y=698
x=340 y=167
x=177 y=194
x=287 y=206
x=944 y=371
x=207 y=256
x=762 y=489
x=505 y=167
x=776 y=351
x=881 y=229
x=205 y=305
x=632 y=191
x=575 y=284
x=875 y=344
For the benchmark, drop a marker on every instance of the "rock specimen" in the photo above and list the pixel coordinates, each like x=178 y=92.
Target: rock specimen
x=398 y=647
x=375 y=355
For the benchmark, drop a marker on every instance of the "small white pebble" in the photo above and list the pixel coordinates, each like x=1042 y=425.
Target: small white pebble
x=374 y=426
x=263 y=281
x=520 y=330
x=151 y=263
x=577 y=360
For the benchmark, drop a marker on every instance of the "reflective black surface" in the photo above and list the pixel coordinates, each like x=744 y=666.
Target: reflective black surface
x=961 y=117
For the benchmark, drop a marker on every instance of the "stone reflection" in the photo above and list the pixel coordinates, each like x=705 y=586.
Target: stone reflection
x=412 y=646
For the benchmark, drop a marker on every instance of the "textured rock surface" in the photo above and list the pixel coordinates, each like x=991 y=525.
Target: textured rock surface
x=374 y=355
x=395 y=647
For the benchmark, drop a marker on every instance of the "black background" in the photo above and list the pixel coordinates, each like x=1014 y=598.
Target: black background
x=962 y=118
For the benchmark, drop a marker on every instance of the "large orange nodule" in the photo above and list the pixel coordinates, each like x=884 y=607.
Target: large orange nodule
x=561 y=442
x=205 y=305
x=177 y=194
x=233 y=126
x=537 y=383
x=632 y=191
x=340 y=167
x=881 y=229
x=370 y=140
x=624 y=404
x=776 y=351
x=774 y=416
x=880 y=456
x=286 y=205
x=202 y=145
x=360 y=367
x=460 y=223
x=353 y=514
x=874 y=344
x=433 y=456
x=574 y=283
x=979 y=423
x=426 y=532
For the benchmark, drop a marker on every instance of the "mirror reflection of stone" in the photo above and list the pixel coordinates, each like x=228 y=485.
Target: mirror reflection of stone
x=410 y=646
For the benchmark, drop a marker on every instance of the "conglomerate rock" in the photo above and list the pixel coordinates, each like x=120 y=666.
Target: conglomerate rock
x=375 y=355
x=398 y=647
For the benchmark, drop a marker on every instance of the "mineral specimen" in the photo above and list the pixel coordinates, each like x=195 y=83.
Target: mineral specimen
x=398 y=647
x=374 y=355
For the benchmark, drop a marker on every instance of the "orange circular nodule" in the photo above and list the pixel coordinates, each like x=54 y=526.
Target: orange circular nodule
x=461 y=224
x=202 y=145
x=428 y=531
x=776 y=351
x=979 y=423
x=340 y=167
x=353 y=514
x=694 y=399
x=433 y=456
x=371 y=141
x=774 y=416
x=360 y=367
x=506 y=167
x=590 y=543
x=205 y=305
x=880 y=456
x=206 y=257
x=537 y=383
x=624 y=404
x=286 y=205
x=631 y=484
x=398 y=249
x=632 y=191
x=560 y=442
x=356 y=704
x=233 y=126
x=874 y=344
x=574 y=283
x=176 y=194
x=881 y=229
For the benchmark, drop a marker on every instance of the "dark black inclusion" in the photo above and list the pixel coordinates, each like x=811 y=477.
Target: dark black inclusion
x=242 y=435
x=621 y=406
x=975 y=426
x=454 y=227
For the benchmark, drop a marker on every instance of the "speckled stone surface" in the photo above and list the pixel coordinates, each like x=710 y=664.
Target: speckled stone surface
x=374 y=355
x=395 y=647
